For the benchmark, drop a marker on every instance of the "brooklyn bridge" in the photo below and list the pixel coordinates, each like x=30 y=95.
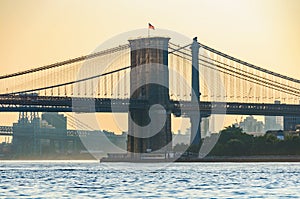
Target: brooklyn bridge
x=152 y=78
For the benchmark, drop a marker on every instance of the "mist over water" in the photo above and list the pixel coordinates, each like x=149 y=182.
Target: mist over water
x=48 y=179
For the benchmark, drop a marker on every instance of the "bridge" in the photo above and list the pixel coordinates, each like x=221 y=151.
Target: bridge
x=17 y=103
x=191 y=80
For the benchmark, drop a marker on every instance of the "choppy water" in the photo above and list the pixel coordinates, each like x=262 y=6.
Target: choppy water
x=129 y=180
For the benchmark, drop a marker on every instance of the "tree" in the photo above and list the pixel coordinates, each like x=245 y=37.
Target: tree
x=233 y=141
x=180 y=147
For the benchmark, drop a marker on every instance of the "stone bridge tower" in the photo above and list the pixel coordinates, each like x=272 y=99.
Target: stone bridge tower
x=149 y=130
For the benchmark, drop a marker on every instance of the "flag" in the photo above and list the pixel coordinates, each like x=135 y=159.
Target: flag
x=150 y=26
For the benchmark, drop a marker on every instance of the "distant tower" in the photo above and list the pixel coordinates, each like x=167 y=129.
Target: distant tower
x=149 y=80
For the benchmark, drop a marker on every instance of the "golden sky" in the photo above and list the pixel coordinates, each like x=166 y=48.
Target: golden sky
x=39 y=32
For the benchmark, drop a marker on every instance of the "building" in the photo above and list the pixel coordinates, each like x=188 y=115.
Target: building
x=290 y=123
x=180 y=138
x=33 y=136
x=205 y=127
x=48 y=137
x=58 y=121
x=251 y=125
x=281 y=135
x=274 y=122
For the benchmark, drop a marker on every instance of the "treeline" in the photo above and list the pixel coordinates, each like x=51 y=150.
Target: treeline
x=233 y=142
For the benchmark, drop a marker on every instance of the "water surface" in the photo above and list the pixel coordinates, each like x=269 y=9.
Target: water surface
x=46 y=179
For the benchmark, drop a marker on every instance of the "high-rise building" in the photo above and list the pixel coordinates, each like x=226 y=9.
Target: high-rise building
x=205 y=127
x=274 y=122
x=290 y=123
x=59 y=121
x=250 y=125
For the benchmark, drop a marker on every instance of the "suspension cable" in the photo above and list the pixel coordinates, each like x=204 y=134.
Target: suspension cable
x=254 y=75
x=251 y=79
x=70 y=61
x=248 y=64
x=68 y=83
x=258 y=79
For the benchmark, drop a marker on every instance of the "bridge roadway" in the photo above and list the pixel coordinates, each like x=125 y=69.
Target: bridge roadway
x=19 y=103
x=8 y=131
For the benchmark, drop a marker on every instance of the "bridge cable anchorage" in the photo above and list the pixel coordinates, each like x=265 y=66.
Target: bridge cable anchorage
x=248 y=64
x=67 y=83
x=70 y=61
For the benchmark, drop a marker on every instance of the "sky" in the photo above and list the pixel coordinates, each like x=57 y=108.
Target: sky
x=40 y=32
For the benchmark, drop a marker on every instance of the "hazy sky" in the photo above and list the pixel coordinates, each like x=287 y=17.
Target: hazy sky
x=40 y=32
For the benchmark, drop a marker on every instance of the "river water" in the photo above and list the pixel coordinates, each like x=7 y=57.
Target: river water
x=77 y=179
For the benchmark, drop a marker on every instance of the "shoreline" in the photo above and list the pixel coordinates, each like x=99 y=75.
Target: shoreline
x=273 y=158
x=262 y=158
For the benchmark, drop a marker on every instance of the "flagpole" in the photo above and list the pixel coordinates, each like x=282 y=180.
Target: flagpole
x=150 y=27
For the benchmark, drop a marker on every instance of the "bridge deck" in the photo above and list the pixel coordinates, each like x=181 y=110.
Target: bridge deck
x=16 y=103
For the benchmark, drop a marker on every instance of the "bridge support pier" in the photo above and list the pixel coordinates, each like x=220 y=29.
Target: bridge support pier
x=195 y=118
x=195 y=139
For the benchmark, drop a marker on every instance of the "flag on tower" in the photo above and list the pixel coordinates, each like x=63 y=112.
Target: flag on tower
x=150 y=26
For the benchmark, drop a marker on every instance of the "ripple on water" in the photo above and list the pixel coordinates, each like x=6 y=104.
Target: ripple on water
x=181 y=180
